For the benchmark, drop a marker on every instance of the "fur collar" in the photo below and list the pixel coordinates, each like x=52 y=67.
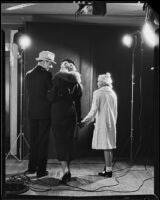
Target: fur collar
x=69 y=76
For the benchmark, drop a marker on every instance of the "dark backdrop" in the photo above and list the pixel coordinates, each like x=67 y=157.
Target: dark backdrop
x=98 y=49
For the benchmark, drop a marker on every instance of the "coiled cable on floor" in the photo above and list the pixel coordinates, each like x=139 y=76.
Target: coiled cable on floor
x=17 y=184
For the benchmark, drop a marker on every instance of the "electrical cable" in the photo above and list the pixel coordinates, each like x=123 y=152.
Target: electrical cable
x=91 y=163
x=25 y=180
x=17 y=184
x=116 y=178
x=38 y=190
x=98 y=189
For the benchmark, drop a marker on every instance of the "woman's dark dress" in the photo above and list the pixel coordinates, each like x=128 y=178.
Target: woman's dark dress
x=65 y=112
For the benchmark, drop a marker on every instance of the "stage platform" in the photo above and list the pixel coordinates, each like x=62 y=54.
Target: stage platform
x=128 y=179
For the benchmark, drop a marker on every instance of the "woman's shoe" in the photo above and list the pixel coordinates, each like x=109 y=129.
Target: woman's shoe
x=66 y=178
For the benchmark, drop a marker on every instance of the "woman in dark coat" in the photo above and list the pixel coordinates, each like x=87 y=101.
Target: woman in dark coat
x=65 y=113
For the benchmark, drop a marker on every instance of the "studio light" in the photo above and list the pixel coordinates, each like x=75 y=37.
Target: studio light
x=127 y=40
x=150 y=26
x=24 y=42
x=149 y=35
x=85 y=8
x=91 y=8
x=131 y=40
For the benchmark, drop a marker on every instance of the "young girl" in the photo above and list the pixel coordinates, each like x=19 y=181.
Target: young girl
x=104 y=109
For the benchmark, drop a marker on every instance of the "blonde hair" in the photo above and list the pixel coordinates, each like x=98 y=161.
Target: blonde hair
x=105 y=79
x=67 y=68
x=71 y=69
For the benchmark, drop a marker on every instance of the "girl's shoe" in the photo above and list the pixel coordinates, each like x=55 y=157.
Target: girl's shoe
x=105 y=174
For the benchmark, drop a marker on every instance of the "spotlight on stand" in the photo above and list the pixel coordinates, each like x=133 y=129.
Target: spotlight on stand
x=91 y=8
x=150 y=26
x=127 y=40
x=131 y=41
x=22 y=41
x=85 y=8
x=149 y=34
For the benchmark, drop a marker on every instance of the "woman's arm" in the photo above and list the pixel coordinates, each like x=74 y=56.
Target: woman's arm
x=91 y=115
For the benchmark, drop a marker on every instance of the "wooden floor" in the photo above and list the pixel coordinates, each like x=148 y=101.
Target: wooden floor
x=137 y=179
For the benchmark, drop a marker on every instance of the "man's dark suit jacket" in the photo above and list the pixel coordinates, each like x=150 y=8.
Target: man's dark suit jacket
x=38 y=82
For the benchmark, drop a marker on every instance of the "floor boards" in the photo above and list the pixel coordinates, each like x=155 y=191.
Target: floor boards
x=127 y=179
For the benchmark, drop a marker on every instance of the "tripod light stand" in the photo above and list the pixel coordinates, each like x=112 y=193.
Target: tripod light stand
x=20 y=136
x=132 y=97
x=135 y=35
x=135 y=38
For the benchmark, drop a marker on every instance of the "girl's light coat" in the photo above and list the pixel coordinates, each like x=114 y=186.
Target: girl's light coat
x=104 y=109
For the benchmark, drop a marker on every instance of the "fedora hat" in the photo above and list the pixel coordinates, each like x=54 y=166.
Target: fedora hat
x=46 y=55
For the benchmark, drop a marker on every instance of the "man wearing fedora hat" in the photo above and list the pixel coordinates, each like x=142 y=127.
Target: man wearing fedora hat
x=38 y=82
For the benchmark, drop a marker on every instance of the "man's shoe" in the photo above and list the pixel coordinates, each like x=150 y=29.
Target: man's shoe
x=30 y=173
x=42 y=174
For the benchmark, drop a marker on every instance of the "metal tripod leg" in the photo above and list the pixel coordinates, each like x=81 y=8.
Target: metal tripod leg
x=20 y=136
x=10 y=152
